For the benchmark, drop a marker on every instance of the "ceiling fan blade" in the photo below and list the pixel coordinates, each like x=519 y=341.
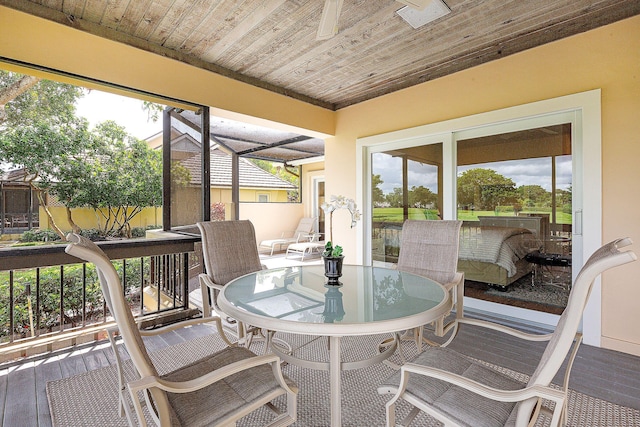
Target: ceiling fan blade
x=416 y=4
x=329 y=20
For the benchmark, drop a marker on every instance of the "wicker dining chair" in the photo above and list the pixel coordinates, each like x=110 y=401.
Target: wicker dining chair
x=216 y=390
x=462 y=391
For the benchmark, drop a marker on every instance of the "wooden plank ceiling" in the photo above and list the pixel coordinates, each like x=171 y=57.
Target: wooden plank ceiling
x=272 y=43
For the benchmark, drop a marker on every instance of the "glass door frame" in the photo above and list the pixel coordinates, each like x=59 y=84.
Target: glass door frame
x=582 y=110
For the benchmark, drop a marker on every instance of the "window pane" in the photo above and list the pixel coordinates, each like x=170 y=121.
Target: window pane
x=514 y=195
x=406 y=184
x=186 y=160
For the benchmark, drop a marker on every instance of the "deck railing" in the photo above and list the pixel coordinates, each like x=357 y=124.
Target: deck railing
x=47 y=296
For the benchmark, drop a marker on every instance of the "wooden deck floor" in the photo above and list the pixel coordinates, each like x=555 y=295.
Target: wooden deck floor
x=605 y=374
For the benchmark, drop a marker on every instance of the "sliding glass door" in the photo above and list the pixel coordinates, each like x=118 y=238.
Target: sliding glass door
x=512 y=184
x=514 y=193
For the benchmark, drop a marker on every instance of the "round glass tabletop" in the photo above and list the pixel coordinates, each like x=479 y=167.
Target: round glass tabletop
x=370 y=300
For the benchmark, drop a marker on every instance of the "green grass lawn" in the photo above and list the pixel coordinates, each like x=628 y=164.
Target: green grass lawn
x=395 y=215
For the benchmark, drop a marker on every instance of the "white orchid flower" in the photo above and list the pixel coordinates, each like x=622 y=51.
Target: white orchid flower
x=340 y=202
x=327 y=207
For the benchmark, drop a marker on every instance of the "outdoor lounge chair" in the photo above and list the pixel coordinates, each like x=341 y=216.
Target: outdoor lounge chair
x=461 y=391
x=306 y=248
x=214 y=391
x=430 y=249
x=303 y=232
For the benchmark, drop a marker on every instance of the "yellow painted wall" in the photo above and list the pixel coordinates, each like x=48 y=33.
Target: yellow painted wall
x=607 y=58
x=87 y=218
x=247 y=195
x=270 y=220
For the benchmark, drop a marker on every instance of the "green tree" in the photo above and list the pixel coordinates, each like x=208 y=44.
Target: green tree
x=421 y=197
x=44 y=149
x=534 y=195
x=105 y=169
x=285 y=172
x=485 y=189
x=25 y=99
x=122 y=176
x=39 y=130
x=377 y=196
x=564 y=199
x=396 y=198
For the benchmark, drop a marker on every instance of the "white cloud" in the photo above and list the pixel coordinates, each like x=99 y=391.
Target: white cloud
x=522 y=172
x=97 y=107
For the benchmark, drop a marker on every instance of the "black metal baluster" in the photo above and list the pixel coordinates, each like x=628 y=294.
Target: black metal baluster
x=11 y=311
x=61 y=298
x=84 y=295
x=37 y=326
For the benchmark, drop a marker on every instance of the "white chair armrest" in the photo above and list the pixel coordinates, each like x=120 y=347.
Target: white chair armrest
x=505 y=329
x=478 y=388
x=206 y=280
x=205 y=380
x=457 y=279
x=304 y=237
x=190 y=322
x=178 y=325
x=316 y=237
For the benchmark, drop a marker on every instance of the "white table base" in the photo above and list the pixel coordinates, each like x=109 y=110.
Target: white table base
x=335 y=366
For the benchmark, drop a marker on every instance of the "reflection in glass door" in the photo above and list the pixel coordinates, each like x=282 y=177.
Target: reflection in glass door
x=514 y=184
x=514 y=195
x=406 y=184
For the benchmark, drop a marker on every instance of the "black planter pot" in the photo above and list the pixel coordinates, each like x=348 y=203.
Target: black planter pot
x=333 y=269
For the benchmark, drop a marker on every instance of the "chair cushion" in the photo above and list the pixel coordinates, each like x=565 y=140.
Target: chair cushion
x=465 y=407
x=205 y=406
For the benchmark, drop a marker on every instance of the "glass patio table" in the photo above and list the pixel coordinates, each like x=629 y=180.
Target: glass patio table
x=369 y=301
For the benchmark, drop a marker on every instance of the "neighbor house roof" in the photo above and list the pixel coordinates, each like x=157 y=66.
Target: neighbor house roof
x=250 y=175
x=186 y=148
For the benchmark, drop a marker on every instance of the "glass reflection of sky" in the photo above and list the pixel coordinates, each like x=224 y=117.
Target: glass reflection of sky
x=299 y=294
x=523 y=172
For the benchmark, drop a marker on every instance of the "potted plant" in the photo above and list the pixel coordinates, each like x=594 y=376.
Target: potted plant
x=332 y=254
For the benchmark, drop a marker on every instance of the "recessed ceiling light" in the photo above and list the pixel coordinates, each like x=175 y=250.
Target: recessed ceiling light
x=430 y=12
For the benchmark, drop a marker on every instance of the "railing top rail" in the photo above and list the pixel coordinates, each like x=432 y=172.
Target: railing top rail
x=43 y=256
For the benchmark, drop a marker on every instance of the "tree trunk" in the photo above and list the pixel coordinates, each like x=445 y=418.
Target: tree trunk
x=51 y=220
x=13 y=91
x=74 y=226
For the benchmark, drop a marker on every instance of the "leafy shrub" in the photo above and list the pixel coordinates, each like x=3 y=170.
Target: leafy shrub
x=24 y=286
x=92 y=234
x=35 y=235
x=138 y=232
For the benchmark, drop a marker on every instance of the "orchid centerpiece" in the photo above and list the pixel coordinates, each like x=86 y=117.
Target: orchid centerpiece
x=335 y=203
